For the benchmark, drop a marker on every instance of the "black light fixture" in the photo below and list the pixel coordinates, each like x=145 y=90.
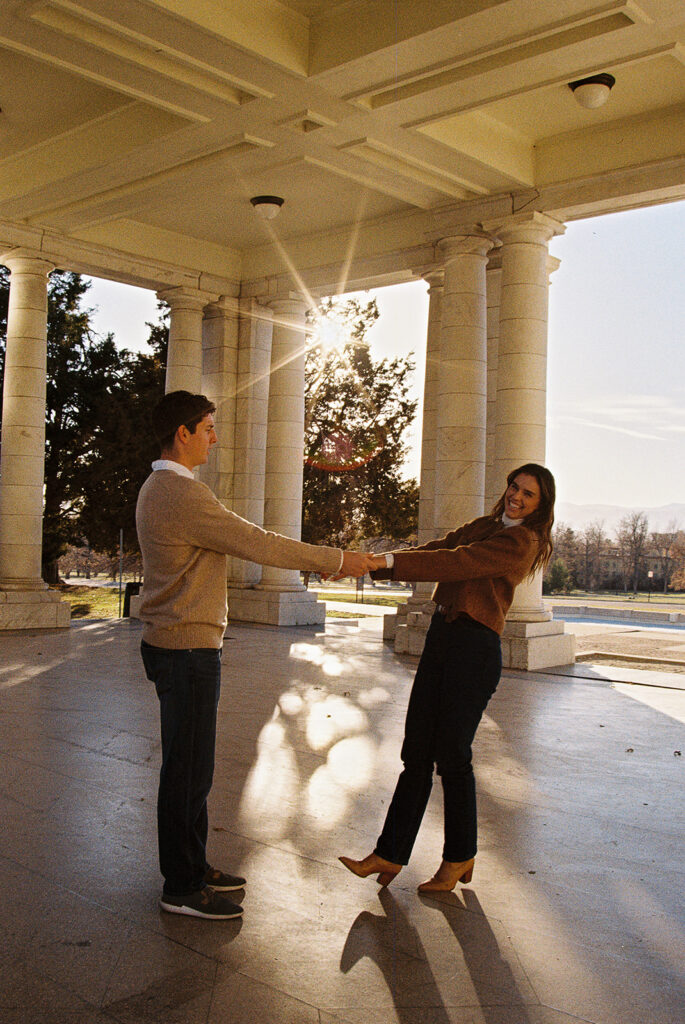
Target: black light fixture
x=594 y=91
x=267 y=207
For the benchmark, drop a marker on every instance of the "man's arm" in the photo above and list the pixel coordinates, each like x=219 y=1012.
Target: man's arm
x=211 y=525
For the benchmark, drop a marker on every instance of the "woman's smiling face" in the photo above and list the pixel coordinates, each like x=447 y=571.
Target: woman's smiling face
x=522 y=496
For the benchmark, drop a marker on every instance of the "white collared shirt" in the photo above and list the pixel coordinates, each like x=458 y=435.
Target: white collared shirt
x=175 y=467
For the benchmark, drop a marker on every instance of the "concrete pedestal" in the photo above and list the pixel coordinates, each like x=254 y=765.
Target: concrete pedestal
x=33 y=609
x=532 y=646
x=275 y=607
x=410 y=625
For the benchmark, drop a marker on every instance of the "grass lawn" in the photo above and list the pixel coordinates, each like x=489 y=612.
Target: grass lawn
x=390 y=600
x=91 y=602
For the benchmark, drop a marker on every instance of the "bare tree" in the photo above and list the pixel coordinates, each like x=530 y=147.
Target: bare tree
x=678 y=556
x=593 y=543
x=631 y=537
x=664 y=544
x=566 y=548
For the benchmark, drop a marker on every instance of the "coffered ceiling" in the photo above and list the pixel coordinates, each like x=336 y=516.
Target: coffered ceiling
x=145 y=126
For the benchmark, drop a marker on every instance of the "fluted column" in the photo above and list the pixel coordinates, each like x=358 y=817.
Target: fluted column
x=25 y=601
x=493 y=485
x=285 y=434
x=251 y=417
x=426 y=529
x=219 y=384
x=462 y=391
x=522 y=365
x=531 y=639
x=453 y=443
x=407 y=627
x=184 y=356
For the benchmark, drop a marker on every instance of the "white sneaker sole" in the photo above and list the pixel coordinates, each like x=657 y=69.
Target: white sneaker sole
x=172 y=908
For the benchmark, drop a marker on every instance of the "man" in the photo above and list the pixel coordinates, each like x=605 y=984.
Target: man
x=185 y=534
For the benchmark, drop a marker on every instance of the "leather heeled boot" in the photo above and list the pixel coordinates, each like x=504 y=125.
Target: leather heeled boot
x=371 y=865
x=447 y=876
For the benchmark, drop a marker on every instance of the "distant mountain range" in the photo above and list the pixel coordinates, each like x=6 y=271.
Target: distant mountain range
x=580 y=516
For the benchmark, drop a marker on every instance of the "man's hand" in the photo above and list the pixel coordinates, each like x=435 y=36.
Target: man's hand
x=378 y=562
x=354 y=563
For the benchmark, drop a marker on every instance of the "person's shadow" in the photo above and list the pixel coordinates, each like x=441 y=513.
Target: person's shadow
x=490 y=973
x=392 y=942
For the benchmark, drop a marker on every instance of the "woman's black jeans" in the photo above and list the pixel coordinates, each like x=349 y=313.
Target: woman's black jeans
x=457 y=674
x=188 y=684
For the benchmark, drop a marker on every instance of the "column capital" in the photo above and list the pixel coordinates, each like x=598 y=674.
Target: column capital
x=289 y=302
x=495 y=259
x=434 y=278
x=473 y=242
x=536 y=228
x=37 y=262
x=225 y=306
x=182 y=297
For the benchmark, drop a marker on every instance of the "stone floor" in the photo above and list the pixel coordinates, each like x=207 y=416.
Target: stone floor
x=575 y=912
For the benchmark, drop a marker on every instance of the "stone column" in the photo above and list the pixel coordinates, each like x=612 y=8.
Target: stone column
x=247 y=604
x=531 y=639
x=413 y=617
x=184 y=357
x=493 y=486
x=426 y=531
x=462 y=388
x=289 y=602
x=219 y=384
x=25 y=601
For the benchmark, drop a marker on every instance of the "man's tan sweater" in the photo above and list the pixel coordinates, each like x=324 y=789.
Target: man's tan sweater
x=185 y=534
x=476 y=568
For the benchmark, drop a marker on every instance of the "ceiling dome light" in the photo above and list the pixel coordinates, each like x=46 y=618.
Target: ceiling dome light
x=594 y=91
x=267 y=207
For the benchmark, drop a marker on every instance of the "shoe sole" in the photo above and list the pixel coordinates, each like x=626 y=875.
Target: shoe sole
x=172 y=908
x=226 y=888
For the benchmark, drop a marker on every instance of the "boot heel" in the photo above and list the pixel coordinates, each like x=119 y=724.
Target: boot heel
x=467 y=876
x=386 y=877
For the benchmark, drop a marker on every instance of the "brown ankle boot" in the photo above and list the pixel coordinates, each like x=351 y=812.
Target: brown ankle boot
x=371 y=865
x=447 y=876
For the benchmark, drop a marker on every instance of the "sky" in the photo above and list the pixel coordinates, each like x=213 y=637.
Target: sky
x=616 y=355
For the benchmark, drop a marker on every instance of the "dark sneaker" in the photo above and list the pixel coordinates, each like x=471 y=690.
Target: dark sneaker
x=222 y=882
x=205 y=903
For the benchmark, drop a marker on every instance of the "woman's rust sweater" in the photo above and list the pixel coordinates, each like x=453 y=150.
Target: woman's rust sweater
x=476 y=568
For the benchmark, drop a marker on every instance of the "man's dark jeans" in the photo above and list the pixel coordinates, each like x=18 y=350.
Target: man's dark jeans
x=188 y=685
x=457 y=674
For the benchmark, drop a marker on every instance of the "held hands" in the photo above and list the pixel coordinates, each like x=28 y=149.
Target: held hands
x=357 y=563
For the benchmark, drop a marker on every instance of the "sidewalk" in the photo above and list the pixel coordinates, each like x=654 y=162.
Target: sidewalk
x=575 y=912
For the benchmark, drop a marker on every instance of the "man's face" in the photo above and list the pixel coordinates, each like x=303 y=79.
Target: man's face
x=198 y=443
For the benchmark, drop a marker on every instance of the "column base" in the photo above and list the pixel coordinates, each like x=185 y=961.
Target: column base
x=532 y=646
x=275 y=607
x=411 y=625
x=33 y=609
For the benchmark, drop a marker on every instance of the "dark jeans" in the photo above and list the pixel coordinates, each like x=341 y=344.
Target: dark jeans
x=188 y=685
x=457 y=674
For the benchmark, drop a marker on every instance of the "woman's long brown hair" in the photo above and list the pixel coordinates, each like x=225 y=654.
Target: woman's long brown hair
x=542 y=519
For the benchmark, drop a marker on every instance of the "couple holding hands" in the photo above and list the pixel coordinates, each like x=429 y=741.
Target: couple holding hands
x=185 y=535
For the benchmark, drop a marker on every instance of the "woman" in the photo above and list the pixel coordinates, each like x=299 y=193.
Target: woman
x=477 y=569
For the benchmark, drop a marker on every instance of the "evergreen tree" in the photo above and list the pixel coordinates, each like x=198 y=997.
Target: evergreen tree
x=98 y=446
x=356 y=413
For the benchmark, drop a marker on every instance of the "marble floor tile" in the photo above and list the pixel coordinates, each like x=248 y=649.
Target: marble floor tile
x=575 y=912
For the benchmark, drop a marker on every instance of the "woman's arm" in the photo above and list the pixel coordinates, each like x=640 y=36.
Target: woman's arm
x=380 y=570
x=509 y=552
